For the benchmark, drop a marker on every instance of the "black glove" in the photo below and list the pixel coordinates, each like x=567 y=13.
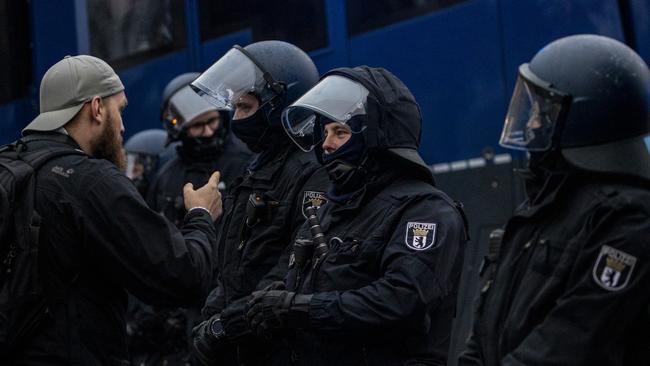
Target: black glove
x=209 y=341
x=277 y=309
x=275 y=285
x=233 y=318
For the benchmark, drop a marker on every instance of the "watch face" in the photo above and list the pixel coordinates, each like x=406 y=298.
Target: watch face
x=217 y=328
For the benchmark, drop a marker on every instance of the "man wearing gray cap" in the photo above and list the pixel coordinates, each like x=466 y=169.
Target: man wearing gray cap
x=98 y=238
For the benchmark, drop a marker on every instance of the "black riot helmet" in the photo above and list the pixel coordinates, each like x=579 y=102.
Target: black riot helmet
x=182 y=109
x=176 y=84
x=276 y=72
x=185 y=109
x=181 y=106
x=371 y=101
x=145 y=152
x=587 y=97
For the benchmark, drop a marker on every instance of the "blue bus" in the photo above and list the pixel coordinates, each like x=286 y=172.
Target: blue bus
x=459 y=57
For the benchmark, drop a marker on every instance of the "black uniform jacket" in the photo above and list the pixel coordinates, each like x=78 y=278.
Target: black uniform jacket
x=98 y=239
x=572 y=280
x=251 y=241
x=166 y=192
x=385 y=292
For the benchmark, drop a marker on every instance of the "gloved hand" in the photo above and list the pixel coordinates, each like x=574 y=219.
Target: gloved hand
x=277 y=309
x=209 y=344
x=275 y=285
x=233 y=318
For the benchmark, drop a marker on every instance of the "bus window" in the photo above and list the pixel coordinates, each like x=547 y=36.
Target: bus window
x=16 y=60
x=366 y=15
x=301 y=22
x=125 y=32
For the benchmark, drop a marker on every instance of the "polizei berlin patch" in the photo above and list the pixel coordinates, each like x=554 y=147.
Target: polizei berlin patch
x=420 y=235
x=613 y=268
x=312 y=198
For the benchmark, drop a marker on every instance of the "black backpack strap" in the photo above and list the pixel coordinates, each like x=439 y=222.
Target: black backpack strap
x=25 y=150
x=38 y=157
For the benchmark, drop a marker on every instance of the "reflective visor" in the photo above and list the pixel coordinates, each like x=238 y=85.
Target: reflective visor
x=138 y=165
x=335 y=98
x=232 y=76
x=185 y=106
x=535 y=111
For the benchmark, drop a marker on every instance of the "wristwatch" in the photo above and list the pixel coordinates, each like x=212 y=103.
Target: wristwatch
x=217 y=328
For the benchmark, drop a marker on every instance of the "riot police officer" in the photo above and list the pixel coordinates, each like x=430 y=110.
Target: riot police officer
x=146 y=152
x=570 y=285
x=374 y=282
x=205 y=145
x=200 y=132
x=265 y=206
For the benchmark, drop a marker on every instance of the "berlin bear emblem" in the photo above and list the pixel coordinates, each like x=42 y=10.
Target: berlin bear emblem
x=420 y=235
x=312 y=198
x=613 y=268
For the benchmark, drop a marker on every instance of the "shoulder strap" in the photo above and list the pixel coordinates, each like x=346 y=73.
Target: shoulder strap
x=37 y=157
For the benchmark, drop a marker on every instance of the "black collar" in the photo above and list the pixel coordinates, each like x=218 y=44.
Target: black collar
x=52 y=137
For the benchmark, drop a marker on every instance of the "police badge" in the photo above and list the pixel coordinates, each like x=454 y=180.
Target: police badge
x=312 y=198
x=613 y=268
x=420 y=235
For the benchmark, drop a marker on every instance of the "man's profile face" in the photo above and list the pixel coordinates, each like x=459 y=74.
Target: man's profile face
x=108 y=145
x=246 y=106
x=204 y=125
x=335 y=135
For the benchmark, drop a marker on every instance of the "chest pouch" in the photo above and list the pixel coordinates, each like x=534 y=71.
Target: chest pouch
x=259 y=209
x=303 y=250
x=488 y=265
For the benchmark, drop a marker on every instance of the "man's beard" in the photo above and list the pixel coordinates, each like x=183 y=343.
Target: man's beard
x=109 y=146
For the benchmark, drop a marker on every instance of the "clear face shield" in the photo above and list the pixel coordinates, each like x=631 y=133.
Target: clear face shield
x=335 y=98
x=139 y=166
x=536 y=109
x=183 y=108
x=233 y=75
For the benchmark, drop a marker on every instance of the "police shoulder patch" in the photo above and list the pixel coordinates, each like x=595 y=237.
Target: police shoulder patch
x=312 y=199
x=420 y=235
x=613 y=268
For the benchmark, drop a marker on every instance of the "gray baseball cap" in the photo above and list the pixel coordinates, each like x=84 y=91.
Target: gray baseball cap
x=68 y=85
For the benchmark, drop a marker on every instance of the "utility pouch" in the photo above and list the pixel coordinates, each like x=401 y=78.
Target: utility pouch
x=259 y=209
x=494 y=245
x=303 y=250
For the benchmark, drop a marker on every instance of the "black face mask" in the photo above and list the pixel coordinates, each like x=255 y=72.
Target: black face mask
x=251 y=130
x=201 y=148
x=346 y=165
x=346 y=177
x=545 y=170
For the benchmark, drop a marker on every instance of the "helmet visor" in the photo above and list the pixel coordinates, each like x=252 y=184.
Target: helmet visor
x=232 y=76
x=335 y=98
x=535 y=111
x=139 y=165
x=185 y=106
